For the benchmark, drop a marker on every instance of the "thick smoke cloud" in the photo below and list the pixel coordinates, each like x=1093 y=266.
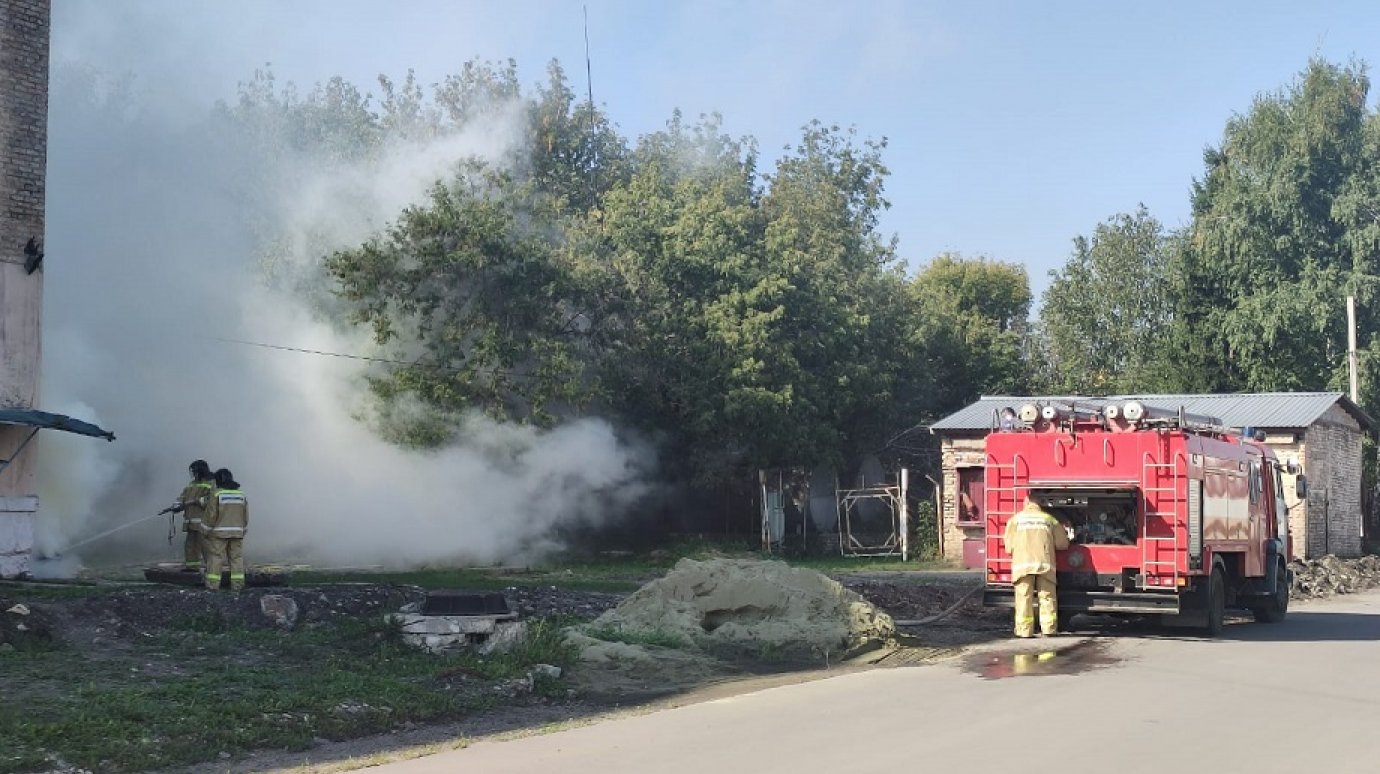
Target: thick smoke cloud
x=154 y=253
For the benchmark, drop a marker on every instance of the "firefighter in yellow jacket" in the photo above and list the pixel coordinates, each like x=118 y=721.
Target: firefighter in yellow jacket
x=1032 y=536
x=225 y=522
x=191 y=503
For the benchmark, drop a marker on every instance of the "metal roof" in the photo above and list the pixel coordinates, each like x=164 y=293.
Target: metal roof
x=1254 y=409
x=37 y=419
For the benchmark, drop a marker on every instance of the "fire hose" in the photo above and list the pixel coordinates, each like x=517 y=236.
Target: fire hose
x=940 y=615
x=100 y=535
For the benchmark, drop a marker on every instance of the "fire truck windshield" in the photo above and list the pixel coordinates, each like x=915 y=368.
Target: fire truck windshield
x=1097 y=518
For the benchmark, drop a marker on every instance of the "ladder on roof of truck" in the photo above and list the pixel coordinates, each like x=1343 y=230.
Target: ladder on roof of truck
x=1007 y=480
x=1158 y=494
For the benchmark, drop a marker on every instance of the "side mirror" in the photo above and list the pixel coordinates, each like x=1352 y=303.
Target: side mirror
x=1301 y=487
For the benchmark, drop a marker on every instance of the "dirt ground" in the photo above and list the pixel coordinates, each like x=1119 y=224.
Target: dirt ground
x=142 y=637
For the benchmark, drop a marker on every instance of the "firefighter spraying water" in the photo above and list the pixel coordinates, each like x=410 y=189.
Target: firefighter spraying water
x=1171 y=514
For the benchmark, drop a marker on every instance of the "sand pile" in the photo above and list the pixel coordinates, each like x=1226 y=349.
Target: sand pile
x=762 y=606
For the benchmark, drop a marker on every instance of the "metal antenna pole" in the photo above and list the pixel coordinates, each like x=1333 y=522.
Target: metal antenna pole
x=1351 y=346
x=589 y=71
x=589 y=85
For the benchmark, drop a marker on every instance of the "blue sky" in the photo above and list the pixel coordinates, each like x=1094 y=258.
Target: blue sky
x=1013 y=126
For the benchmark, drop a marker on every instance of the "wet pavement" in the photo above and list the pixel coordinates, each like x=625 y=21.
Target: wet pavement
x=1071 y=659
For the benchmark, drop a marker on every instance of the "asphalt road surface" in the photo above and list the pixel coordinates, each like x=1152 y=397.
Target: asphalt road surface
x=1300 y=696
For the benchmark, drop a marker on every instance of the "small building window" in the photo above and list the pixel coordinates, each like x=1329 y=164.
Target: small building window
x=971 y=493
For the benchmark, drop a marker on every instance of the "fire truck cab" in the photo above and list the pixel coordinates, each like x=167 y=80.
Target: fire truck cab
x=1171 y=514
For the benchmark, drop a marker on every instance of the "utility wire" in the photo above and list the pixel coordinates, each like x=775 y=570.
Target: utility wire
x=325 y=353
x=370 y=359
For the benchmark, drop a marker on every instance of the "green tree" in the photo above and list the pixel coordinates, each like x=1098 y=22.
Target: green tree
x=1105 y=317
x=1282 y=230
x=468 y=286
x=758 y=317
x=574 y=152
x=478 y=289
x=968 y=332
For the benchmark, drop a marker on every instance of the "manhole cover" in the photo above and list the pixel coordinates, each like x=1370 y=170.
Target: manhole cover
x=464 y=603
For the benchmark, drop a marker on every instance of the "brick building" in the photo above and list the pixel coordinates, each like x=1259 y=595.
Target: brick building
x=23 y=162
x=1322 y=431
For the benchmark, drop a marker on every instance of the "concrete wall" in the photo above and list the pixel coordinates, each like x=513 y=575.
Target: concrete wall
x=23 y=163
x=956 y=453
x=1332 y=464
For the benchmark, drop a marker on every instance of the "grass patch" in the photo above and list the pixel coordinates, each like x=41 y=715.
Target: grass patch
x=607 y=575
x=217 y=687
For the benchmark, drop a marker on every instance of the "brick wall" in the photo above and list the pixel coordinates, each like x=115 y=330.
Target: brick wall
x=1332 y=464
x=23 y=162
x=956 y=453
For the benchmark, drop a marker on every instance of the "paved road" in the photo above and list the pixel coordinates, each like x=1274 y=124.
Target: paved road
x=1300 y=696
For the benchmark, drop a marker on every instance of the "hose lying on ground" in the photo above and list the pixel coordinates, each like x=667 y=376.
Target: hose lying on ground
x=940 y=615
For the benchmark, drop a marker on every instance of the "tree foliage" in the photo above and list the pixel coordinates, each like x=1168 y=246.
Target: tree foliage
x=1105 y=317
x=748 y=316
x=970 y=329
x=1283 y=229
x=1251 y=295
x=752 y=314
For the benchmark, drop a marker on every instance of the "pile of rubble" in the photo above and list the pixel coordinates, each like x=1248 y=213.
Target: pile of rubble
x=1330 y=575
x=750 y=605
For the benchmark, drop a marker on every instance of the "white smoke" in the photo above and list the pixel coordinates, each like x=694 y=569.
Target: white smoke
x=153 y=255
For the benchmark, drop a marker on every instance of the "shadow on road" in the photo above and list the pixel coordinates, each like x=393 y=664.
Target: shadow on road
x=1299 y=626
x=1309 y=626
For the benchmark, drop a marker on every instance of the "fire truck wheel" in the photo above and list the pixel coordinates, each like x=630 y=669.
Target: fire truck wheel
x=1216 y=603
x=1274 y=610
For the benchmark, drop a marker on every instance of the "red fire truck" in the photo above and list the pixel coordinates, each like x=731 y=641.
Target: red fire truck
x=1171 y=513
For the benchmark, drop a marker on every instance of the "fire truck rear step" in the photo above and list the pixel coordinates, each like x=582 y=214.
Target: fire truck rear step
x=1095 y=601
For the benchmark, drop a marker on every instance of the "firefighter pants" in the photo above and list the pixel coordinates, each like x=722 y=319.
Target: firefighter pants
x=193 y=551
x=1027 y=588
x=220 y=554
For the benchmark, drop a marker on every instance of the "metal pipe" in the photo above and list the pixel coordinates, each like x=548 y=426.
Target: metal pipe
x=1136 y=411
x=939 y=512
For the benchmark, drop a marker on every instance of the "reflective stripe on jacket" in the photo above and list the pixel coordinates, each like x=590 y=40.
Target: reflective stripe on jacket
x=1032 y=536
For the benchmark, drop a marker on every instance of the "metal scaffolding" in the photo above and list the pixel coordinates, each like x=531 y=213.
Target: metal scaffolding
x=897 y=538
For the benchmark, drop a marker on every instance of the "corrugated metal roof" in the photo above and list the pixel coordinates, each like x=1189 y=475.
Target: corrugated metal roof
x=1256 y=409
